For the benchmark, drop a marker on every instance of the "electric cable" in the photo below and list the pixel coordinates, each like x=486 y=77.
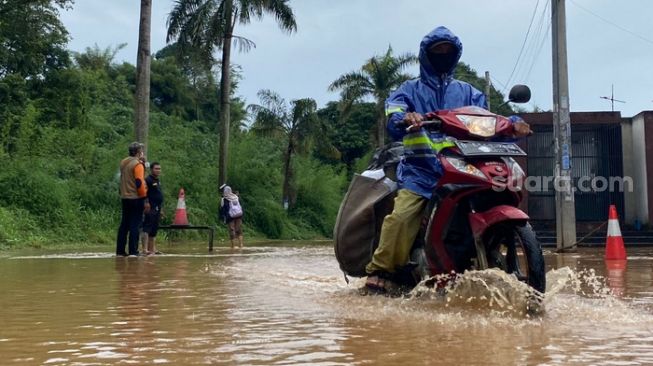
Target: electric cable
x=523 y=44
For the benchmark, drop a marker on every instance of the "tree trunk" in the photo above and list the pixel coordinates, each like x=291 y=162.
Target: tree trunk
x=380 y=123
x=141 y=124
x=225 y=91
x=287 y=177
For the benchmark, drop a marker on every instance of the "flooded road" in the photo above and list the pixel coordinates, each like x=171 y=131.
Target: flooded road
x=280 y=305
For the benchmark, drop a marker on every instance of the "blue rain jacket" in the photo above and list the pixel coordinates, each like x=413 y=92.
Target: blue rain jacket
x=419 y=169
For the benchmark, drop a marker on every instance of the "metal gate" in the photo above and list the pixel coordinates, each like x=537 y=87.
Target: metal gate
x=596 y=159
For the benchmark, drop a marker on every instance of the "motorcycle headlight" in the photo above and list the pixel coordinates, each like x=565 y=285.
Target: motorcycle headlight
x=462 y=166
x=484 y=126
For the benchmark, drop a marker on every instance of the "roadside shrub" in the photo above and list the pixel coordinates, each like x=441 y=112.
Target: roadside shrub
x=37 y=192
x=319 y=190
x=17 y=226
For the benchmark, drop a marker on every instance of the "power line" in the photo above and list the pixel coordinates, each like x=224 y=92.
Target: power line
x=538 y=39
x=537 y=54
x=498 y=81
x=528 y=51
x=523 y=44
x=613 y=24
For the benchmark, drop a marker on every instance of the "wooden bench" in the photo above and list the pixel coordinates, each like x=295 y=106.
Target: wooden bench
x=210 y=229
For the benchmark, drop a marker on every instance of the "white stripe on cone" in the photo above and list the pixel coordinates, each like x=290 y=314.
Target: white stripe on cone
x=181 y=204
x=613 y=228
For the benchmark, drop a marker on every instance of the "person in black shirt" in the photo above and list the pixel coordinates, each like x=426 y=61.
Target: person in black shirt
x=153 y=215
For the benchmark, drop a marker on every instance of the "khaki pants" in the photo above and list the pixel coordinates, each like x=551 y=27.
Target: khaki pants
x=398 y=233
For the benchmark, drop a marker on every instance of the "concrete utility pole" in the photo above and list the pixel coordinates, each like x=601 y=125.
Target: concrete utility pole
x=143 y=61
x=565 y=208
x=488 y=86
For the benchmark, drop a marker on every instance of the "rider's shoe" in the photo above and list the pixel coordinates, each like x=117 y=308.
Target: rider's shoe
x=375 y=283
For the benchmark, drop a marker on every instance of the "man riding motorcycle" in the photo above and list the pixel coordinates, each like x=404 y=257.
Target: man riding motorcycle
x=419 y=171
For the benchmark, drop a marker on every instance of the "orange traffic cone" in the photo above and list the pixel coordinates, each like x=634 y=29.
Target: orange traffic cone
x=180 y=214
x=614 y=246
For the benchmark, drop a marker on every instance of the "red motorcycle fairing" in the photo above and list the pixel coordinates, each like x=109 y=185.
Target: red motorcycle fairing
x=441 y=218
x=480 y=221
x=454 y=186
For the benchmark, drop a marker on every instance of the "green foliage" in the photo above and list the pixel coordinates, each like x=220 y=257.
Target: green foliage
x=295 y=125
x=377 y=78
x=32 y=38
x=200 y=70
x=65 y=98
x=98 y=59
x=361 y=164
x=13 y=101
x=351 y=135
x=64 y=127
x=25 y=186
x=170 y=90
x=256 y=174
x=18 y=227
x=203 y=25
x=320 y=190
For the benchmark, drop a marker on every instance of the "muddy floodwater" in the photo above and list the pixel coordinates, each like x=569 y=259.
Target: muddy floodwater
x=290 y=305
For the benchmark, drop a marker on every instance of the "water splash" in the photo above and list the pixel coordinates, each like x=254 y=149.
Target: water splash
x=585 y=282
x=585 y=298
x=580 y=296
x=491 y=290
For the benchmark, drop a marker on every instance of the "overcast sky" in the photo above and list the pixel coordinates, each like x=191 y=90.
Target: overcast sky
x=609 y=42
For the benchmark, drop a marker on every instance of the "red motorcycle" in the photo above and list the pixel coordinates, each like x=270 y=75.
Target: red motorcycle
x=473 y=220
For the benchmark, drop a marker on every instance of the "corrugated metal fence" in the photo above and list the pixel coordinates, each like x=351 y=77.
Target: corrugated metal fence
x=596 y=162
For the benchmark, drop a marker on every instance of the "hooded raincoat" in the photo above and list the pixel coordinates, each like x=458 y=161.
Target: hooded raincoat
x=420 y=169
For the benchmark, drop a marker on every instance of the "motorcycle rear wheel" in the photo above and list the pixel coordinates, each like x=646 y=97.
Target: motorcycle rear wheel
x=515 y=250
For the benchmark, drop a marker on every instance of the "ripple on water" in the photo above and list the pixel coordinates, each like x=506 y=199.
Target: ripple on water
x=291 y=306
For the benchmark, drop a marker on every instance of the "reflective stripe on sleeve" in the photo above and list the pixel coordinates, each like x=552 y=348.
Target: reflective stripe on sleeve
x=392 y=110
x=419 y=140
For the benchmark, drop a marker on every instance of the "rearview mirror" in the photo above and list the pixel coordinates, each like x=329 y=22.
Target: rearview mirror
x=519 y=94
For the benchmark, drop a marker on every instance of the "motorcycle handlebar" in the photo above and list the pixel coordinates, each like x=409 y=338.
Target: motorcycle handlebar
x=434 y=124
x=430 y=124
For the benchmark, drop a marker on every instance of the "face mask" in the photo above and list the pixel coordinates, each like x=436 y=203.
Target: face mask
x=442 y=62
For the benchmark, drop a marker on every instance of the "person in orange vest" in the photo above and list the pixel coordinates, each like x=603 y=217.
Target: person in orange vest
x=132 y=194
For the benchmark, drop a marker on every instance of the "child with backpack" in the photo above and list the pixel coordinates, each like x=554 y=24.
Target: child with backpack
x=231 y=213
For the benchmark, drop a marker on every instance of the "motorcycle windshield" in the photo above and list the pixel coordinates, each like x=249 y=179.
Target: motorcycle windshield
x=484 y=126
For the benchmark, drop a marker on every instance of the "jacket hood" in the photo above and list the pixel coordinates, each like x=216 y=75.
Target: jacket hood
x=440 y=34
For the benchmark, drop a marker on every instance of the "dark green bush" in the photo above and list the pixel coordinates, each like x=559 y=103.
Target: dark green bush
x=41 y=194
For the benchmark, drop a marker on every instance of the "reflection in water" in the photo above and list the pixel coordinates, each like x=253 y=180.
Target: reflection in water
x=615 y=274
x=137 y=305
x=275 y=305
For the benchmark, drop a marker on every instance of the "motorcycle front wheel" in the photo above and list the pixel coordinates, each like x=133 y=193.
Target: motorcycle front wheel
x=514 y=249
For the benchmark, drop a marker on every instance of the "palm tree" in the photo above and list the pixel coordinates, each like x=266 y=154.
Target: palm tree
x=297 y=123
x=143 y=74
x=378 y=77
x=209 y=25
